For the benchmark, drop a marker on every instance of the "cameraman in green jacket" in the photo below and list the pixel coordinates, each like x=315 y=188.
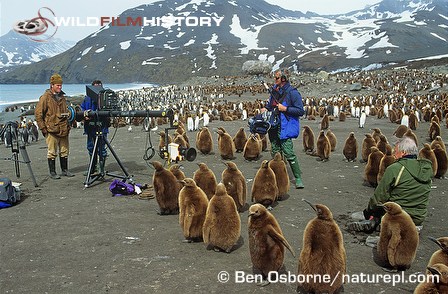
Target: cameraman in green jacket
x=406 y=182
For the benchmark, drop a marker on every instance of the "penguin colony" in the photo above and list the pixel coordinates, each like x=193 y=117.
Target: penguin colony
x=170 y=205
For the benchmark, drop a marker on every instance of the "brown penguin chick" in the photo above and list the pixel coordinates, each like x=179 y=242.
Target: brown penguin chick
x=350 y=150
x=435 y=119
x=162 y=141
x=413 y=121
x=252 y=148
x=166 y=189
x=434 y=130
x=428 y=153
x=332 y=138
x=308 y=139
x=409 y=133
x=266 y=241
x=367 y=143
x=323 y=147
x=392 y=115
x=342 y=116
x=258 y=136
x=205 y=179
x=222 y=225
x=442 y=162
x=382 y=143
x=225 y=145
x=240 y=140
x=438 y=141
x=372 y=167
x=180 y=140
x=192 y=209
x=264 y=142
x=264 y=186
x=441 y=255
x=235 y=183
x=437 y=285
x=175 y=169
x=399 y=239
x=318 y=257
x=325 y=123
x=281 y=175
x=387 y=160
x=222 y=130
x=400 y=130
x=204 y=141
x=376 y=134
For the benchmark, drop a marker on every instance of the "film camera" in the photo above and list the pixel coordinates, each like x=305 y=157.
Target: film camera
x=104 y=99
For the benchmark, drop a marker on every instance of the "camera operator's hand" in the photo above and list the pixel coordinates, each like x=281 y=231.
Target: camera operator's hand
x=281 y=107
x=86 y=114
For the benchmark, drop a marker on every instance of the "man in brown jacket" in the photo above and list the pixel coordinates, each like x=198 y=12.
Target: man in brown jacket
x=52 y=119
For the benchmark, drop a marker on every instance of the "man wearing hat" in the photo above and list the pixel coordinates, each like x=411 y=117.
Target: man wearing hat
x=52 y=119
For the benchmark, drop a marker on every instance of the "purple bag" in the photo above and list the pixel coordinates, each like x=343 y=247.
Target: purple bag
x=120 y=188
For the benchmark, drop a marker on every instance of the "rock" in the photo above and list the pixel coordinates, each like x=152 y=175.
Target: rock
x=256 y=67
x=356 y=87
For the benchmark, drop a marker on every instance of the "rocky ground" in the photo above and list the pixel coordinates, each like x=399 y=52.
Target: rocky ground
x=65 y=238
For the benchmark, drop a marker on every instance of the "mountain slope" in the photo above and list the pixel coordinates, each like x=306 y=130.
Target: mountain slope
x=388 y=32
x=17 y=49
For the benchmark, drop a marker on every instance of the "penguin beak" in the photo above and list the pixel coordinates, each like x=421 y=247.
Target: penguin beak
x=311 y=204
x=435 y=241
x=433 y=271
x=382 y=205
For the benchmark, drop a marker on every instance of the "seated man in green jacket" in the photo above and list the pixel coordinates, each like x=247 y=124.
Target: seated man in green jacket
x=406 y=182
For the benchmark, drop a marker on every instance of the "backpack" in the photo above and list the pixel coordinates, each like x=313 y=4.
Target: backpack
x=9 y=195
x=119 y=188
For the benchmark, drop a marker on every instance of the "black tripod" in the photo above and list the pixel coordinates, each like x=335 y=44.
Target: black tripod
x=100 y=141
x=10 y=132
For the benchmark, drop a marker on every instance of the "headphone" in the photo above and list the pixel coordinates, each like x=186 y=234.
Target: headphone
x=284 y=75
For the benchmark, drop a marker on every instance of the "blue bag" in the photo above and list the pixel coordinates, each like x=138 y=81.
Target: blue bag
x=259 y=124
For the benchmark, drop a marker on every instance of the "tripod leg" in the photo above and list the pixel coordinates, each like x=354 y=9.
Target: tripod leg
x=89 y=179
x=128 y=177
x=27 y=160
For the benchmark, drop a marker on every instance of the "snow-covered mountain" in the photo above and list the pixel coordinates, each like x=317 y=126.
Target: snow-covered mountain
x=161 y=51
x=17 y=49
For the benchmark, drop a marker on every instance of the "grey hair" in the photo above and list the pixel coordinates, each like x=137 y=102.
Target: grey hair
x=407 y=145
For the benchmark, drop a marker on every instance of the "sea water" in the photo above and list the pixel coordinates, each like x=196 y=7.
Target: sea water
x=11 y=94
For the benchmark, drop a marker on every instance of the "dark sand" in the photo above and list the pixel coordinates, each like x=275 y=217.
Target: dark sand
x=64 y=238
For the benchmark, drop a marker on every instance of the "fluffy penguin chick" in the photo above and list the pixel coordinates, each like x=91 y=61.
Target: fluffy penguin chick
x=350 y=150
x=264 y=186
x=192 y=209
x=166 y=189
x=205 y=179
x=222 y=225
x=278 y=166
x=266 y=241
x=398 y=238
x=323 y=252
x=235 y=183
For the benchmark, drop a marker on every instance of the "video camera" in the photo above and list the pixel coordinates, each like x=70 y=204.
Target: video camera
x=104 y=99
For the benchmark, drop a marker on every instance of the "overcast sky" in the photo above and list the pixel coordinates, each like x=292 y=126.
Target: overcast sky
x=12 y=11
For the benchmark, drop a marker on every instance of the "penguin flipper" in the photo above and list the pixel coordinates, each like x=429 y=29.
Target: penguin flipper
x=279 y=237
x=394 y=241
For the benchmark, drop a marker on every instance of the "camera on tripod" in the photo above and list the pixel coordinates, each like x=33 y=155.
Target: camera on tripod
x=104 y=99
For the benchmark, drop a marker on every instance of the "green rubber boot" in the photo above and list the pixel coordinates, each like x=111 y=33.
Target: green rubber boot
x=294 y=164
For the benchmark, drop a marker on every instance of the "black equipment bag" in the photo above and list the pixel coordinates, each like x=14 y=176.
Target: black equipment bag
x=259 y=124
x=8 y=193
